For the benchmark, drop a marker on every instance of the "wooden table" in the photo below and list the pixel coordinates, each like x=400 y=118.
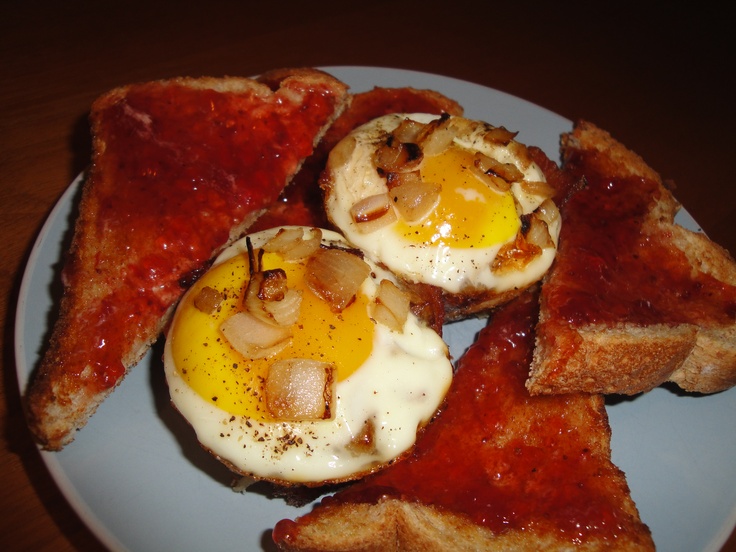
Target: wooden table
x=657 y=81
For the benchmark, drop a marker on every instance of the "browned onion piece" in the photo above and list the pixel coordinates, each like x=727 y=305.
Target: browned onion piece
x=521 y=153
x=208 y=300
x=499 y=135
x=268 y=298
x=300 y=389
x=253 y=337
x=391 y=307
x=294 y=243
x=538 y=233
x=494 y=182
x=364 y=442
x=539 y=188
x=335 y=275
x=394 y=179
x=285 y=311
x=489 y=165
x=395 y=156
x=408 y=131
x=342 y=152
x=415 y=200
x=462 y=126
x=515 y=255
x=437 y=137
x=370 y=208
x=548 y=212
x=372 y=213
x=271 y=285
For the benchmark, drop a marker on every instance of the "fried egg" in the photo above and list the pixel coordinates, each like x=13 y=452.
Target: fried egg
x=445 y=201
x=295 y=366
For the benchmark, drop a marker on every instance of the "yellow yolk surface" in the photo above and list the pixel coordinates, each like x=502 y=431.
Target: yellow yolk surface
x=385 y=383
x=221 y=375
x=469 y=214
x=453 y=239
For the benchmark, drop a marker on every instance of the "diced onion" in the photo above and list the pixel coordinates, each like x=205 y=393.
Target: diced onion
x=208 y=300
x=538 y=188
x=396 y=156
x=270 y=285
x=373 y=212
x=294 y=243
x=394 y=179
x=517 y=254
x=414 y=200
x=268 y=298
x=342 y=152
x=299 y=389
x=392 y=306
x=285 y=311
x=499 y=135
x=370 y=208
x=364 y=442
x=253 y=337
x=538 y=233
x=335 y=275
x=548 y=212
x=495 y=183
x=508 y=171
x=408 y=130
x=437 y=137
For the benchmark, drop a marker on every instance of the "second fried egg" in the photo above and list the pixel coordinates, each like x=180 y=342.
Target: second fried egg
x=444 y=201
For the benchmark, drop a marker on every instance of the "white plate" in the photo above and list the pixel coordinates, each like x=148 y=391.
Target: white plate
x=138 y=479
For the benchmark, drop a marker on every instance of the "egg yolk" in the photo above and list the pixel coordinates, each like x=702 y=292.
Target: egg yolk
x=469 y=214
x=221 y=375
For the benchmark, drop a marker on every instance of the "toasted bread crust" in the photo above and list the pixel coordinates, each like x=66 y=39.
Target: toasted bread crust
x=628 y=356
x=394 y=525
x=498 y=469
x=69 y=385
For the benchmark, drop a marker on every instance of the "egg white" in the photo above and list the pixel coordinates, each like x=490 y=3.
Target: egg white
x=398 y=388
x=454 y=269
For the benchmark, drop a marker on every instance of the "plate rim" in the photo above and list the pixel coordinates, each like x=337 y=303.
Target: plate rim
x=23 y=370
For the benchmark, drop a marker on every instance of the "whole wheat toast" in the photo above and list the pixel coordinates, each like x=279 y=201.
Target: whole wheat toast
x=180 y=168
x=633 y=299
x=497 y=469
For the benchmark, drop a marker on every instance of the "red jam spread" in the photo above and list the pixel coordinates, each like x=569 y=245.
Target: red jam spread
x=182 y=166
x=609 y=268
x=301 y=203
x=504 y=459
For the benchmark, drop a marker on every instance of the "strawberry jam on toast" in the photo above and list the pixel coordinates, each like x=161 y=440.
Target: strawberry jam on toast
x=301 y=202
x=633 y=299
x=497 y=469
x=180 y=169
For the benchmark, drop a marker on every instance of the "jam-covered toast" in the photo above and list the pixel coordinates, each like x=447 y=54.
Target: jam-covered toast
x=497 y=469
x=633 y=299
x=180 y=168
x=301 y=203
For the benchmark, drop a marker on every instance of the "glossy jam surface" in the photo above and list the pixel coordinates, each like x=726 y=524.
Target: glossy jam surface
x=183 y=166
x=611 y=268
x=301 y=202
x=504 y=459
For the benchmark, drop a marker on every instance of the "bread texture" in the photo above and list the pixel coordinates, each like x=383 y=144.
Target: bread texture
x=633 y=299
x=180 y=169
x=498 y=469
